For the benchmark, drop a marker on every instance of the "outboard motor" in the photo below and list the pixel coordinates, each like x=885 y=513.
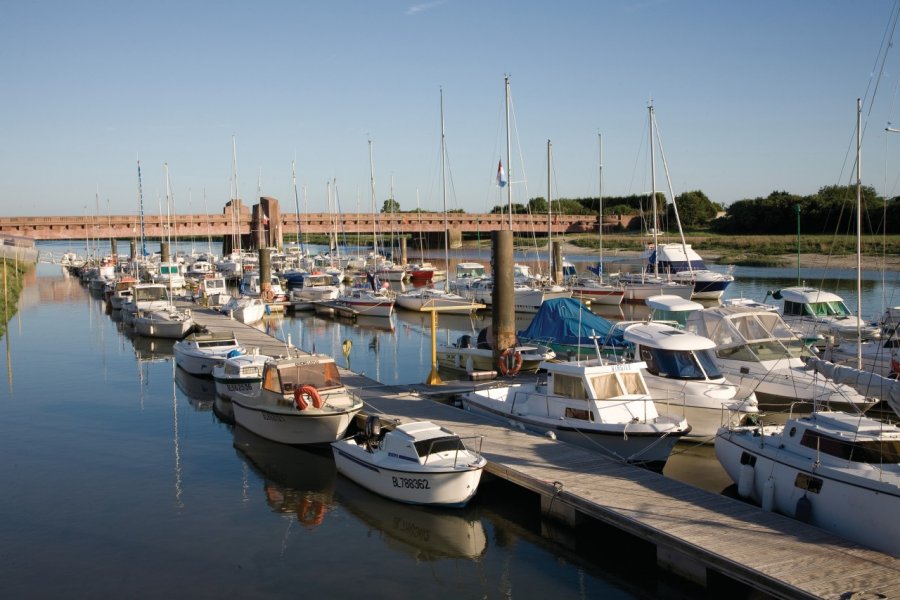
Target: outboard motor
x=373 y=427
x=465 y=341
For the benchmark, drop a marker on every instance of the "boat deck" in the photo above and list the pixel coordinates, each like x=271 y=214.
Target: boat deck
x=695 y=531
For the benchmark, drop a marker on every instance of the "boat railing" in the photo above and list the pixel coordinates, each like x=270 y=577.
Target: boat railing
x=459 y=447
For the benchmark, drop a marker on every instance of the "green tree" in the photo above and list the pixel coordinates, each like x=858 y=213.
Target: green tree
x=694 y=210
x=390 y=206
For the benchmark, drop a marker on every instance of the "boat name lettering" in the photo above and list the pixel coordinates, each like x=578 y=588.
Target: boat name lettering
x=239 y=387
x=268 y=417
x=415 y=484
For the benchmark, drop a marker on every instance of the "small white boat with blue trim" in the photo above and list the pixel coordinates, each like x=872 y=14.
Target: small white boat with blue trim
x=239 y=375
x=415 y=463
x=199 y=352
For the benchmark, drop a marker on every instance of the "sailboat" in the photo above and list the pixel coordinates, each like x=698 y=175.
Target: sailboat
x=836 y=470
x=168 y=321
x=648 y=281
x=595 y=289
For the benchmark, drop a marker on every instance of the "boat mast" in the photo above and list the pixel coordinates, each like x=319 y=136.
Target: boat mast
x=553 y=268
x=653 y=194
x=374 y=220
x=508 y=154
x=236 y=233
x=297 y=205
x=858 y=234
x=444 y=186
x=141 y=206
x=600 y=180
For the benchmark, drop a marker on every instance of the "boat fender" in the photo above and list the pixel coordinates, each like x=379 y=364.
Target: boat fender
x=745 y=481
x=768 y=495
x=804 y=509
x=510 y=362
x=312 y=392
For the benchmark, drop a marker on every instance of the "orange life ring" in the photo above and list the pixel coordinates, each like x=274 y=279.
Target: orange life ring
x=510 y=362
x=268 y=295
x=301 y=393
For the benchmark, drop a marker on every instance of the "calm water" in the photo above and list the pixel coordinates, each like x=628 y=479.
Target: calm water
x=122 y=480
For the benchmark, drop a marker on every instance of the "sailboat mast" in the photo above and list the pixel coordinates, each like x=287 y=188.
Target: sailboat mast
x=858 y=234
x=600 y=181
x=297 y=205
x=141 y=206
x=444 y=186
x=653 y=192
x=374 y=221
x=553 y=268
x=236 y=239
x=508 y=154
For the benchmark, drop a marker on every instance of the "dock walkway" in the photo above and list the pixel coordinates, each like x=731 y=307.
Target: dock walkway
x=693 y=530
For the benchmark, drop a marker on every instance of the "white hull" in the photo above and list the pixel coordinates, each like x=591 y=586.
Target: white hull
x=287 y=425
x=647 y=444
x=855 y=506
x=639 y=292
x=152 y=326
x=413 y=485
x=604 y=296
x=478 y=359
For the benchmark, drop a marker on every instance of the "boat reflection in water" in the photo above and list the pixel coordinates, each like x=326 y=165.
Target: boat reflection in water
x=295 y=480
x=304 y=482
x=200 y=391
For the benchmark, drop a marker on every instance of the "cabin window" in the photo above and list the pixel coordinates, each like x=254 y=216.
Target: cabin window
x=318 y=374
x=578 y=413
x=673 y=364
x=633 y=383
x=443 y=444
x=872 y=452
x=568 y=386
x=796 y=309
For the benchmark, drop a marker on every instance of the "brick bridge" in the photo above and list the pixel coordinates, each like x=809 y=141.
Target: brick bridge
x=265 y=225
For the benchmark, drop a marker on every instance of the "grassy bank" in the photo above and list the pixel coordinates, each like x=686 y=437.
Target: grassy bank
x=12 y=280
x=755 y=250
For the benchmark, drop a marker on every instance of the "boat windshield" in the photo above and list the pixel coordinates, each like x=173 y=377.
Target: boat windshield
x=143 y=294
x=443 y=444
x=680 y=364
x=874 y=452
x=611 y=385
x=322 y=375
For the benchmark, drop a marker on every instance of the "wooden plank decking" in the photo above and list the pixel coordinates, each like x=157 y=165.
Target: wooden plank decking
x=766 y=551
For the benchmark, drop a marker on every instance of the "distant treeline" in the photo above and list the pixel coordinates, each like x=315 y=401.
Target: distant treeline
x=831 y=210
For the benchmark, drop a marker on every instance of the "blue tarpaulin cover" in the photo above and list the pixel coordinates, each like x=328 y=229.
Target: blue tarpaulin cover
x=566 y=321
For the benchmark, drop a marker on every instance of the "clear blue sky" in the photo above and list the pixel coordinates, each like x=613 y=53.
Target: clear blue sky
x=750 y=97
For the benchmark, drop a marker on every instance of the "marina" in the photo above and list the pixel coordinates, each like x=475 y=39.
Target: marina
x=568 y=485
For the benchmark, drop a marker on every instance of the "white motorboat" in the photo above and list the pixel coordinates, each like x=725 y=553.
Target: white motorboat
x=170 y=322
x=815 y=313
x=301 y=401
x=239 y=375
x=121 y=292
x=212 y=290
x=311 y=288
x=879 y=356
x=247 y=309
x=199 y=352
x=364 y=301
x=469 y=355
x=683 y=265
x=598 y=405
x=415 y=463
x=834 y=470
x=145 y=297
x=756 y=350
x=466 y=274
x=526 y=298
x=170 y=274
x=427 y=298
x=682 y=372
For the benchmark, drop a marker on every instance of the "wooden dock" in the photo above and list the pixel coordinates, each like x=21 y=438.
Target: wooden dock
x=695 y=531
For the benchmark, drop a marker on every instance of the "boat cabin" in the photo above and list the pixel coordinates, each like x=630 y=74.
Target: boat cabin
x=423 y=440
x=669 y=307
x=846 y=437
x=747 y=335
x=284 y=375
x=471 y=270
x=597 y=392
x=673 y=353
x=811 y=302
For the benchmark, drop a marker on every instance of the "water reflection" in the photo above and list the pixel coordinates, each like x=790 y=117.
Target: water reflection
x=200 y=391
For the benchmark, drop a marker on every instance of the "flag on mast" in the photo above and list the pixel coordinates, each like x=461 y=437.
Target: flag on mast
x=501 y=174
